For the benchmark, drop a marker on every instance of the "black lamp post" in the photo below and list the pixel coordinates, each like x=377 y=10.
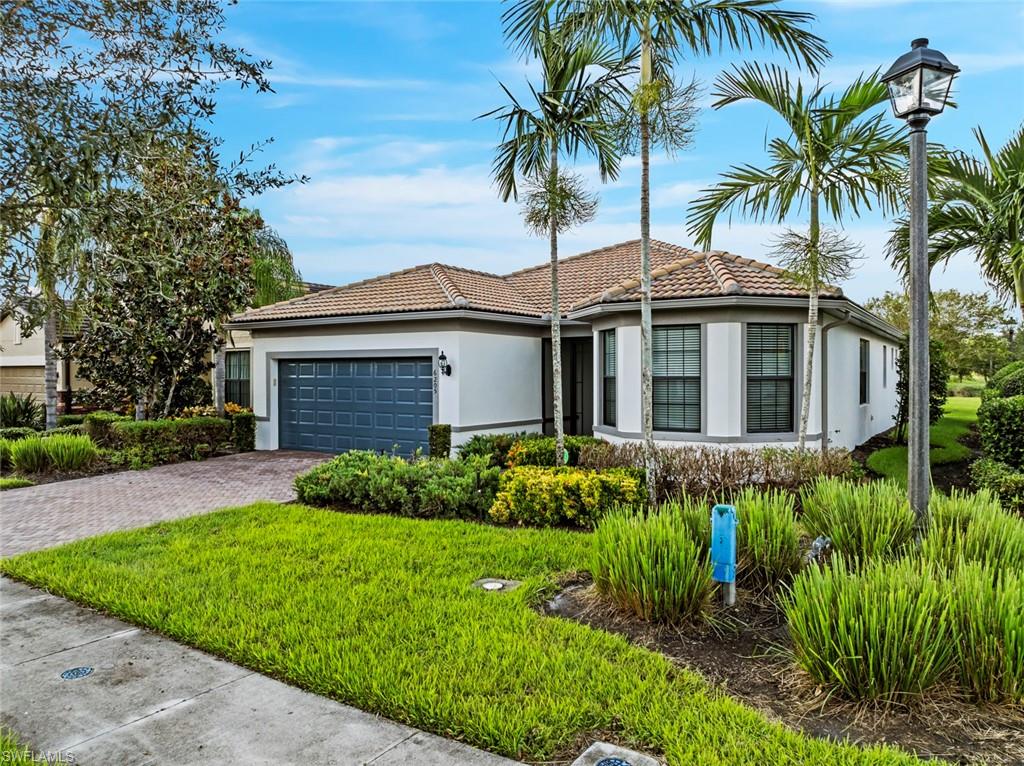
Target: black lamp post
x=919 y=84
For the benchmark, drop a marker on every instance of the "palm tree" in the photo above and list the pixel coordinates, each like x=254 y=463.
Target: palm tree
x=658 y=33
x=977 y=206
x=837 y=155
x=581 y=78
x=275 y=278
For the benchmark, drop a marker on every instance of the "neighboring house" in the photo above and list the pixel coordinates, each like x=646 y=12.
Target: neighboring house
x=21 y=365
x=357 y=366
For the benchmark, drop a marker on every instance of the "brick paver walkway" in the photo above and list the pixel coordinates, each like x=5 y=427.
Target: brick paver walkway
x=50 y=514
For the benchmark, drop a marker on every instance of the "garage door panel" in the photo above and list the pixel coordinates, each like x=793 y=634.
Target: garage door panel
x=335 y=405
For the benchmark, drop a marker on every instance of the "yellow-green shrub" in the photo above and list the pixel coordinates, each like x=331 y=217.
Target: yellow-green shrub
x=542 y=496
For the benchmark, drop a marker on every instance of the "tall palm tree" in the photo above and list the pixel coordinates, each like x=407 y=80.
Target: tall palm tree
x=977 y=206
x=661 y=32
x=837 y=154
x=569 y=115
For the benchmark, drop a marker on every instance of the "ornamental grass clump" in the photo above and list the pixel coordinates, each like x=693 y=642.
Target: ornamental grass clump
x=767 y=543
x=67 y=452
x=864 y=521
x=651 y=566
x=876 y=632
x=5 y=455
x=988 y=622
x=973 y=527
x=29 y=455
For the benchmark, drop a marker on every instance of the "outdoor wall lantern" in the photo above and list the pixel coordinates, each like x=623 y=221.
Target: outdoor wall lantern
x=919 y=84
x=442 y=364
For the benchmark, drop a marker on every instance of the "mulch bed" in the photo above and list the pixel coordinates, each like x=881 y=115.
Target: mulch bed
x=745 y=656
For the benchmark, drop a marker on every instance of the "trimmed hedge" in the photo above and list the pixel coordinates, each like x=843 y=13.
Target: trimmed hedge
x=243 y=431
x=542 y=496
x=439 y=439
x=71 y=420
x=494 y=446
x=541 y=451
x=98 y=426
x=428 y=488
x=143 y=443
x=1004 y=481
x=1001 y=425
x=72 y=430
x=17 y=432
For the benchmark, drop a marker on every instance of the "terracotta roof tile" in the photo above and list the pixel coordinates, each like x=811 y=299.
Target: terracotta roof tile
x=608 y=274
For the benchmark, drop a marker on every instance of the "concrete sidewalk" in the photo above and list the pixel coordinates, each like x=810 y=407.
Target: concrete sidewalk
x=150 y=700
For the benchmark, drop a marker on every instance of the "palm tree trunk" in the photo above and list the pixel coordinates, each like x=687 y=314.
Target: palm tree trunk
x=646 y=356
x=812 y=328
x=218 y=379
x=556 y=325
x=50 y=367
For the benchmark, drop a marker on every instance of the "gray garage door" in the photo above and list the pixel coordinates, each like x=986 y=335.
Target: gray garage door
x=335 y=405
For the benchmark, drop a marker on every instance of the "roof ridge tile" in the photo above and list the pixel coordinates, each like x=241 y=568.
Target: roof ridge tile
x=448 y=287
x=723 y=275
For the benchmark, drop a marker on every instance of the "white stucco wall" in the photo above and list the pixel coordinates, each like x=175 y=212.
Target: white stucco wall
x=849 y=422
x=494 y=385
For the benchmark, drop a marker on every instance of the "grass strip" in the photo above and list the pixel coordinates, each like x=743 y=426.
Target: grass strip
x=961 y=414
x=378 y=612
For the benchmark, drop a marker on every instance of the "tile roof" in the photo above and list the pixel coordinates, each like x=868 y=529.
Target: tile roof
x=606 y=275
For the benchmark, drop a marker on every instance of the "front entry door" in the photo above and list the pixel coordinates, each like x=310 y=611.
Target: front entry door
x=577 y=386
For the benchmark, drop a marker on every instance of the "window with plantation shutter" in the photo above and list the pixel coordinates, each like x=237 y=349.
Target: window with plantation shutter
x=770 y=367
x=608 y=392
x=676 y=373
x=236 y=378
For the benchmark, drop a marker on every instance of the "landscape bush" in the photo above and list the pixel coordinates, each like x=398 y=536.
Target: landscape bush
x=20 y=411
x=650 y=564
x=29 y=455
x=719 y=472
x=1012 y=384
x=73 y=419
x=863 y=521
x=1006 y=482
x=875 y=632
x=243 y=430
x=1004 y=372
x=144 y=443
x=541 y=451
x=494 y=446
x=429 y=488
x=69 y=429
x=99 y=425
x=439 y=439
x=564 y=496
x=69 y=452
x=1001 y=426
x=973 y=528
x=17 y=432
x=5 y=454
x=767 y=540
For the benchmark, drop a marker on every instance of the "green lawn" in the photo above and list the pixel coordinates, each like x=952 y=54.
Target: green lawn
x=12 y=751
x=14 y=482
x=961 y=413
x=378 y=612
x=971 y=385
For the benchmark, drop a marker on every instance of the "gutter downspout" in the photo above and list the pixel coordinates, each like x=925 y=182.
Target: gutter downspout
x=824 y=375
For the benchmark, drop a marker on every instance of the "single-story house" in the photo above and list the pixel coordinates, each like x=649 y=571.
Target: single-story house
x=371 y=364
x=22 y=365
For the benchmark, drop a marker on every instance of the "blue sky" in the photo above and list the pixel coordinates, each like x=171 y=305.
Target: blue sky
x=375 y=102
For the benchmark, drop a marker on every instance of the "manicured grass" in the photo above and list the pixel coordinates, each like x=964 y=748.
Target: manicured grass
x=14 y=482
x=961 y=413
x=12 y=751
x=971 y=385
x=379 y=612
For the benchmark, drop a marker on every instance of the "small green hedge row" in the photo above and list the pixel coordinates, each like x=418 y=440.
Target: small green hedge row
x=541 y=451
x=243 y=431
x=17 y=432
x=1006 y=482
x=542 y=496
x=429 y=488
x=1001 y=425
x=1008 y=380
x=140 y=443
x=493 y=446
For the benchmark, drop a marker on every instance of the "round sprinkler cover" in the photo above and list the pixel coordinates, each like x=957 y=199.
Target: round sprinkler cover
x=493 y=585
x=613 y=762
x=73 y=673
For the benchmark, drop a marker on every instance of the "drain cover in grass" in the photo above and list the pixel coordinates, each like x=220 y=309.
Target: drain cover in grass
x=496 y=584
x=606 y=754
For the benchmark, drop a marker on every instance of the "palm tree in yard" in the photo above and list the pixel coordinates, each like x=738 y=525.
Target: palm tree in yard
x=838 y=156
x=660 y=33
x=977 y=206
x=568 y=116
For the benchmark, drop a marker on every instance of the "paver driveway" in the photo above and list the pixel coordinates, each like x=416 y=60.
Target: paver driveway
x=38 y=517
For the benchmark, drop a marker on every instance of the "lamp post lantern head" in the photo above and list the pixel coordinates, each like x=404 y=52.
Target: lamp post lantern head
x=919 y=81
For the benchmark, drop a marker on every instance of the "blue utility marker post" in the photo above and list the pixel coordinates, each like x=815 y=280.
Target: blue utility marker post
x=723 y=550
